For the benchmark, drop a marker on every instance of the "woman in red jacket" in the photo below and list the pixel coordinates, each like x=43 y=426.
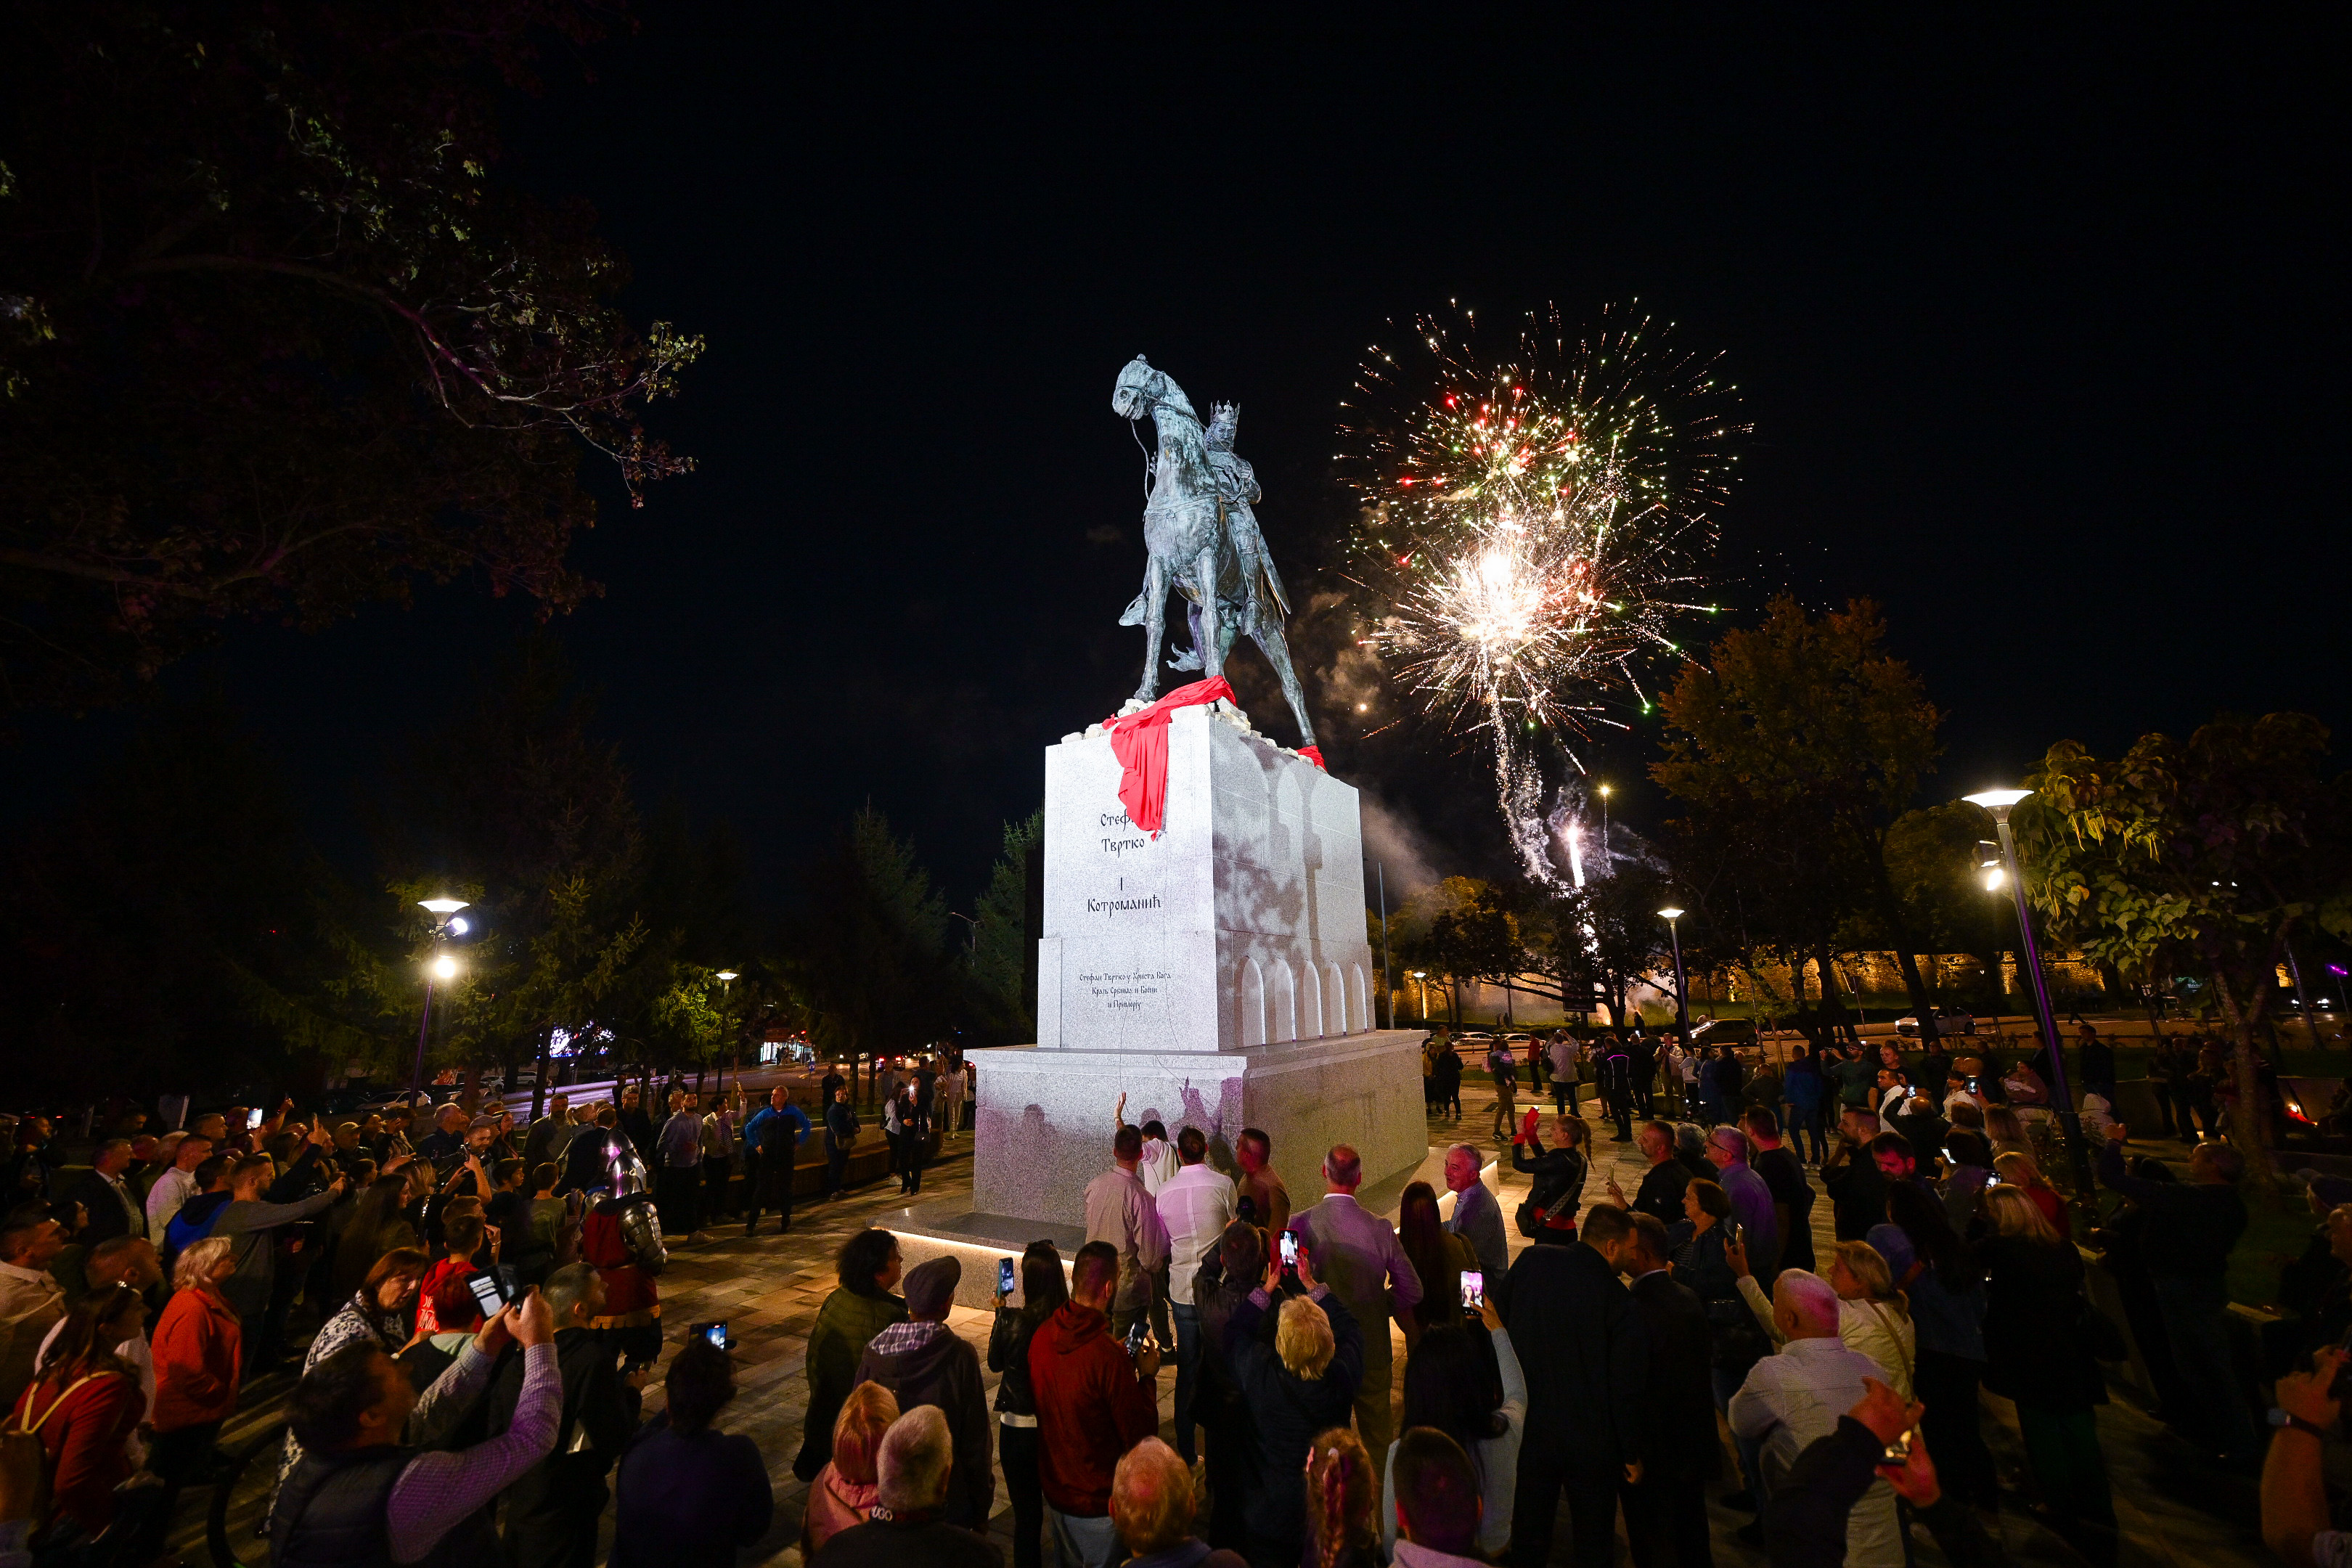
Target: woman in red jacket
x=198 y=1344
x=82 y=1406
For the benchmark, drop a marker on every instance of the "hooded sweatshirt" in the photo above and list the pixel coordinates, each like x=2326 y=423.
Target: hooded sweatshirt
x=1091 y=1408
x=928 y=1364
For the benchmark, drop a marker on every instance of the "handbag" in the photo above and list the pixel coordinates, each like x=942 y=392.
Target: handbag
x=27 y=1455
x=1533 y=1221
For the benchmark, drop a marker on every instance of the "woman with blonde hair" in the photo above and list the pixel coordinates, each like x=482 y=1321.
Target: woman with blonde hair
x=198 y=1346
x=2018 y=1170
x=2038 y=1352
x=1873 y=1316
x=1304 y=1385
x=845 y=1488
x=1341 y=1495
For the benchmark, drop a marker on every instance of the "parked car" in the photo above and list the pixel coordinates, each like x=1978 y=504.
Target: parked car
x=1723 y=1032
x=1948 y=1021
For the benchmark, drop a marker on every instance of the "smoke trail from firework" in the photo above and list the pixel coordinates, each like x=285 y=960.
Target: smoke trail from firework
x=1534 y=521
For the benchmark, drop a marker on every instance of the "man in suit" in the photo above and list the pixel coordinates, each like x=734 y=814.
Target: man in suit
x=1665 y=1513
x=1579 y=1340
x=1357 y=1254
x=105 y=1195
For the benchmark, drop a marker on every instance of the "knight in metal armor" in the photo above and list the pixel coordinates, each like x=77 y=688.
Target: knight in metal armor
x=622 y=1238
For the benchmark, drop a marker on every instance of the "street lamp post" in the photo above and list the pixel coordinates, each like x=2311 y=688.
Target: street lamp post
x=1420 y=978
x=440 y=967
x=727 y=978
x=1682 y=988
x=2001 y=802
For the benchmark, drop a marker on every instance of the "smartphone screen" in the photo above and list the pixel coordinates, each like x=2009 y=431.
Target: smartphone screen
x=1289 y=1251
x=487 y=1294
x=1135 y=1340
x=717 y=1334
x=253 y=1119
x=1897 y=1452
x=1005 y=1276
x=1474 y=1290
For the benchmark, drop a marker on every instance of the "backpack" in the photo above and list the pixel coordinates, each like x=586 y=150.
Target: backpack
x=25 y=1451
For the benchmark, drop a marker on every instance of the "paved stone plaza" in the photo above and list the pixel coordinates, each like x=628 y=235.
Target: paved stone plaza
x=2174 y=1510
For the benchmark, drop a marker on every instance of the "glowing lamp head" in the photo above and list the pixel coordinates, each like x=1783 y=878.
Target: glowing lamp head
x=441 y=906
x=1670 y=914
x=1995 y=878
x=727 y=974
x=444 y=968
x=1997 y=800
x=458 y=926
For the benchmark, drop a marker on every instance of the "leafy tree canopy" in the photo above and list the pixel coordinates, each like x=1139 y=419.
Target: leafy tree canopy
x=2201 y=859
x=274 y=342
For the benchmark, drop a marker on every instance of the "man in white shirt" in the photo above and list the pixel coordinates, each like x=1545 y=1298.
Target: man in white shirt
x=176 y=1186
x=1566 y=1056
x=1120 y=1213
x=1796 y=1396
x=1195 y=1205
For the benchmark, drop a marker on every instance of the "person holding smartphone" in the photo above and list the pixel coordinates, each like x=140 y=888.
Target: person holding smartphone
x=1042 y=1293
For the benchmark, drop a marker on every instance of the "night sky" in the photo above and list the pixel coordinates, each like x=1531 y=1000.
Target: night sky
x=2040 y=335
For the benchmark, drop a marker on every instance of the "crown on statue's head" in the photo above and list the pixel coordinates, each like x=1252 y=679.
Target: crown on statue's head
x=1224 y=422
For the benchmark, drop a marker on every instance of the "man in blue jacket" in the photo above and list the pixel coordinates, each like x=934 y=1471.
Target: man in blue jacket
x=771 y=1141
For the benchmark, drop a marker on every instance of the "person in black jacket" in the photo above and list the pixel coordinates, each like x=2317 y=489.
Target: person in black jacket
x=840 y=1134
x=1661 y=1192
x=1579 y=1340
x=923 y=1362
x=552 y=1509
x=1043 y=1291
x=1665 y=1513
x=111 y=1208
x=687 y=1494
x=1558 y=1173
x=1856 y=1189
x=1301 y=1384
x=588 y=1158
x=1804 y=1524
x=2193 y=1225
x=1229 y=1271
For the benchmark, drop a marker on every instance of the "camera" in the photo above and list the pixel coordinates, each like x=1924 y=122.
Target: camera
x=1474 y=1291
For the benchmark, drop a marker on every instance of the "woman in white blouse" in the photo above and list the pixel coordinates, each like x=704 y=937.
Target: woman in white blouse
x=1480 y=1399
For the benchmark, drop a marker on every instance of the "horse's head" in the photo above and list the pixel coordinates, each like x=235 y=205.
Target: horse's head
x=1140 y=390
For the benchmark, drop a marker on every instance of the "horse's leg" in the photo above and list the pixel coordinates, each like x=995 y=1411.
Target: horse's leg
x=1212 y=640
x=1277 y=649
x=1155 y=627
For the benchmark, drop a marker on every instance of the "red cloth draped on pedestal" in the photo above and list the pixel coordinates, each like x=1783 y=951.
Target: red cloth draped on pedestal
x=1139 y=741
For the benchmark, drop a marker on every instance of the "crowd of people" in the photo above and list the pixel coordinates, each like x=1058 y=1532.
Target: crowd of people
x=489 y=1312
x=1642 y=1344
x=505 y=1278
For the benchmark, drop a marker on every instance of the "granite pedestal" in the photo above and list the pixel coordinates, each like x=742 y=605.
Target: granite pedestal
x=1218 y=974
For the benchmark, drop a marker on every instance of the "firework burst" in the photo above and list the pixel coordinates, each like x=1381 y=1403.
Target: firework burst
x=1536 y=508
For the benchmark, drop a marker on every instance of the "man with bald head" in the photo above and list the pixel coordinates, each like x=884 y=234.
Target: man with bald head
x=1796 y=1396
